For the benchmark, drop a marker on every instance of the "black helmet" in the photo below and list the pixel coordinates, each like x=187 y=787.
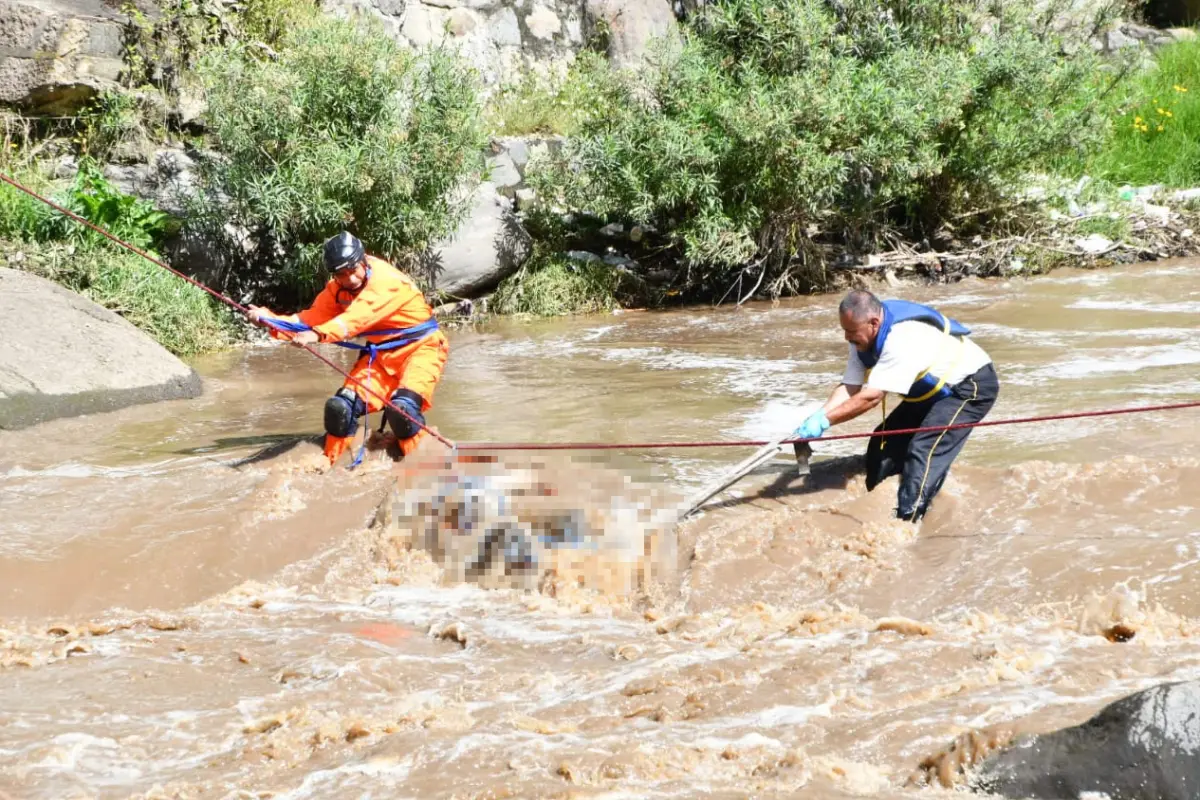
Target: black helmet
x=343 y=251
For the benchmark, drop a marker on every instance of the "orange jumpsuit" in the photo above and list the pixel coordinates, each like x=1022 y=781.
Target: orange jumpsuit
x=389 y=300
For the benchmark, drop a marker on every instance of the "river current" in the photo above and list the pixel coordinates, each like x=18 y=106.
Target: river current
x=191 y=607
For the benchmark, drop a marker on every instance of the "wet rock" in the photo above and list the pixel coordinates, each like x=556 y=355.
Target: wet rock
x=627 y=652
x=903 y=625
x=1142 y=747
x=94 y=361
x=357 y=730
x=453 y=632
x=488 y=247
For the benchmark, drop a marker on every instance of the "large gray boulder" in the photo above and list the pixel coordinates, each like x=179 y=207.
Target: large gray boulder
x=56 y=55
x=1143 y=747
x=64 y=355
x=488 y=247
x=631 y=25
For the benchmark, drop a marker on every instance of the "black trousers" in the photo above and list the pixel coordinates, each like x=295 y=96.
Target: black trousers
x=923 y=459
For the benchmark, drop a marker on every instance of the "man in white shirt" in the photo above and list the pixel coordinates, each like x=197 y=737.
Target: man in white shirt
x=943 y=377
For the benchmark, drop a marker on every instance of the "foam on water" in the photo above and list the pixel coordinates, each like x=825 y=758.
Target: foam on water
x=1188 y=307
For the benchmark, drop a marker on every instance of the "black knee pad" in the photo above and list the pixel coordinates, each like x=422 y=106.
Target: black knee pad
x=342 y=412
x=410 y=402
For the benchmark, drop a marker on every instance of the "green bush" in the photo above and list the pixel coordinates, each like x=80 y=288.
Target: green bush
x=267 y=21
x=22 y=218
x=555 y=286
x=179 y=316
x=550 y=103
x=781 y=125
x=342 y=130
x=1156 y=124
x=91 y=196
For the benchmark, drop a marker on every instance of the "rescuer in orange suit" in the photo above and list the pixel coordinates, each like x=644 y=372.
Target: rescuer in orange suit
x=404 y=353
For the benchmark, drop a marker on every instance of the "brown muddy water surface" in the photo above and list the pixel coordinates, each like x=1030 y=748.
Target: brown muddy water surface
x=186 y=614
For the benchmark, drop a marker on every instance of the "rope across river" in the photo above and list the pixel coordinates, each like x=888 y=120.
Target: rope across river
x=529 y=446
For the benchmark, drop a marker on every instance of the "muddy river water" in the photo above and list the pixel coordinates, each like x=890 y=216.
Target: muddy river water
x=189 y=608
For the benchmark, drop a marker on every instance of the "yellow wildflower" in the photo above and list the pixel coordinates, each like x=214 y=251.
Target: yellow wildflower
x=1179 y=88
x=1160 y=128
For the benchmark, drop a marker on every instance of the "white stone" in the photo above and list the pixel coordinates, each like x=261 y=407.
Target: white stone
x=518 y=151
x=488 y=247
x=526 y=198
x=574 y=31
x=1094 y=244
x=502 y=172
x=543 y=23
x=1117 y=40
x=421 y=27
x=463 y=21
x=505 y=29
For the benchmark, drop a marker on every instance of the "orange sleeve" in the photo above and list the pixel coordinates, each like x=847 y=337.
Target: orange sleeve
x=372 y=306
x=323 y=308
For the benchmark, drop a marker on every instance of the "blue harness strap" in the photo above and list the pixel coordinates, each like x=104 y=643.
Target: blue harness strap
x=401 y=337
x=925 y=386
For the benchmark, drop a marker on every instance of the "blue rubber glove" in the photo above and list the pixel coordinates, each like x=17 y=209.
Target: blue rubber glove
x=813 y=427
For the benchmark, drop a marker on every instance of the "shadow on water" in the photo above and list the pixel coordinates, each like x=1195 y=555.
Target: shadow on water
x=832 y=473
x=273 y=446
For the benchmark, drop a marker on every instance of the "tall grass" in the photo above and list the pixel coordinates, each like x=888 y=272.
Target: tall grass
x=179 y=316
x=554 y=286
x=1156 y=124
x=551 y=103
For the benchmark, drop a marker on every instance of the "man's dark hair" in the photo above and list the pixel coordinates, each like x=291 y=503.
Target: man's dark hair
x=860 y=304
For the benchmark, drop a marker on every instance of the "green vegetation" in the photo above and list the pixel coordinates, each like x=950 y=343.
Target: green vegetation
x=551 y=286
x=181 y=317
x=771 y=137
x=343 y=129
x=1155 y=124
x=784 y=123
x=554 y=103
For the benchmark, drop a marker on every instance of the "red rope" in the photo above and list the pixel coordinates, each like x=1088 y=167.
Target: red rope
x=865 y=435
x=499 y=446
x=227 y=300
